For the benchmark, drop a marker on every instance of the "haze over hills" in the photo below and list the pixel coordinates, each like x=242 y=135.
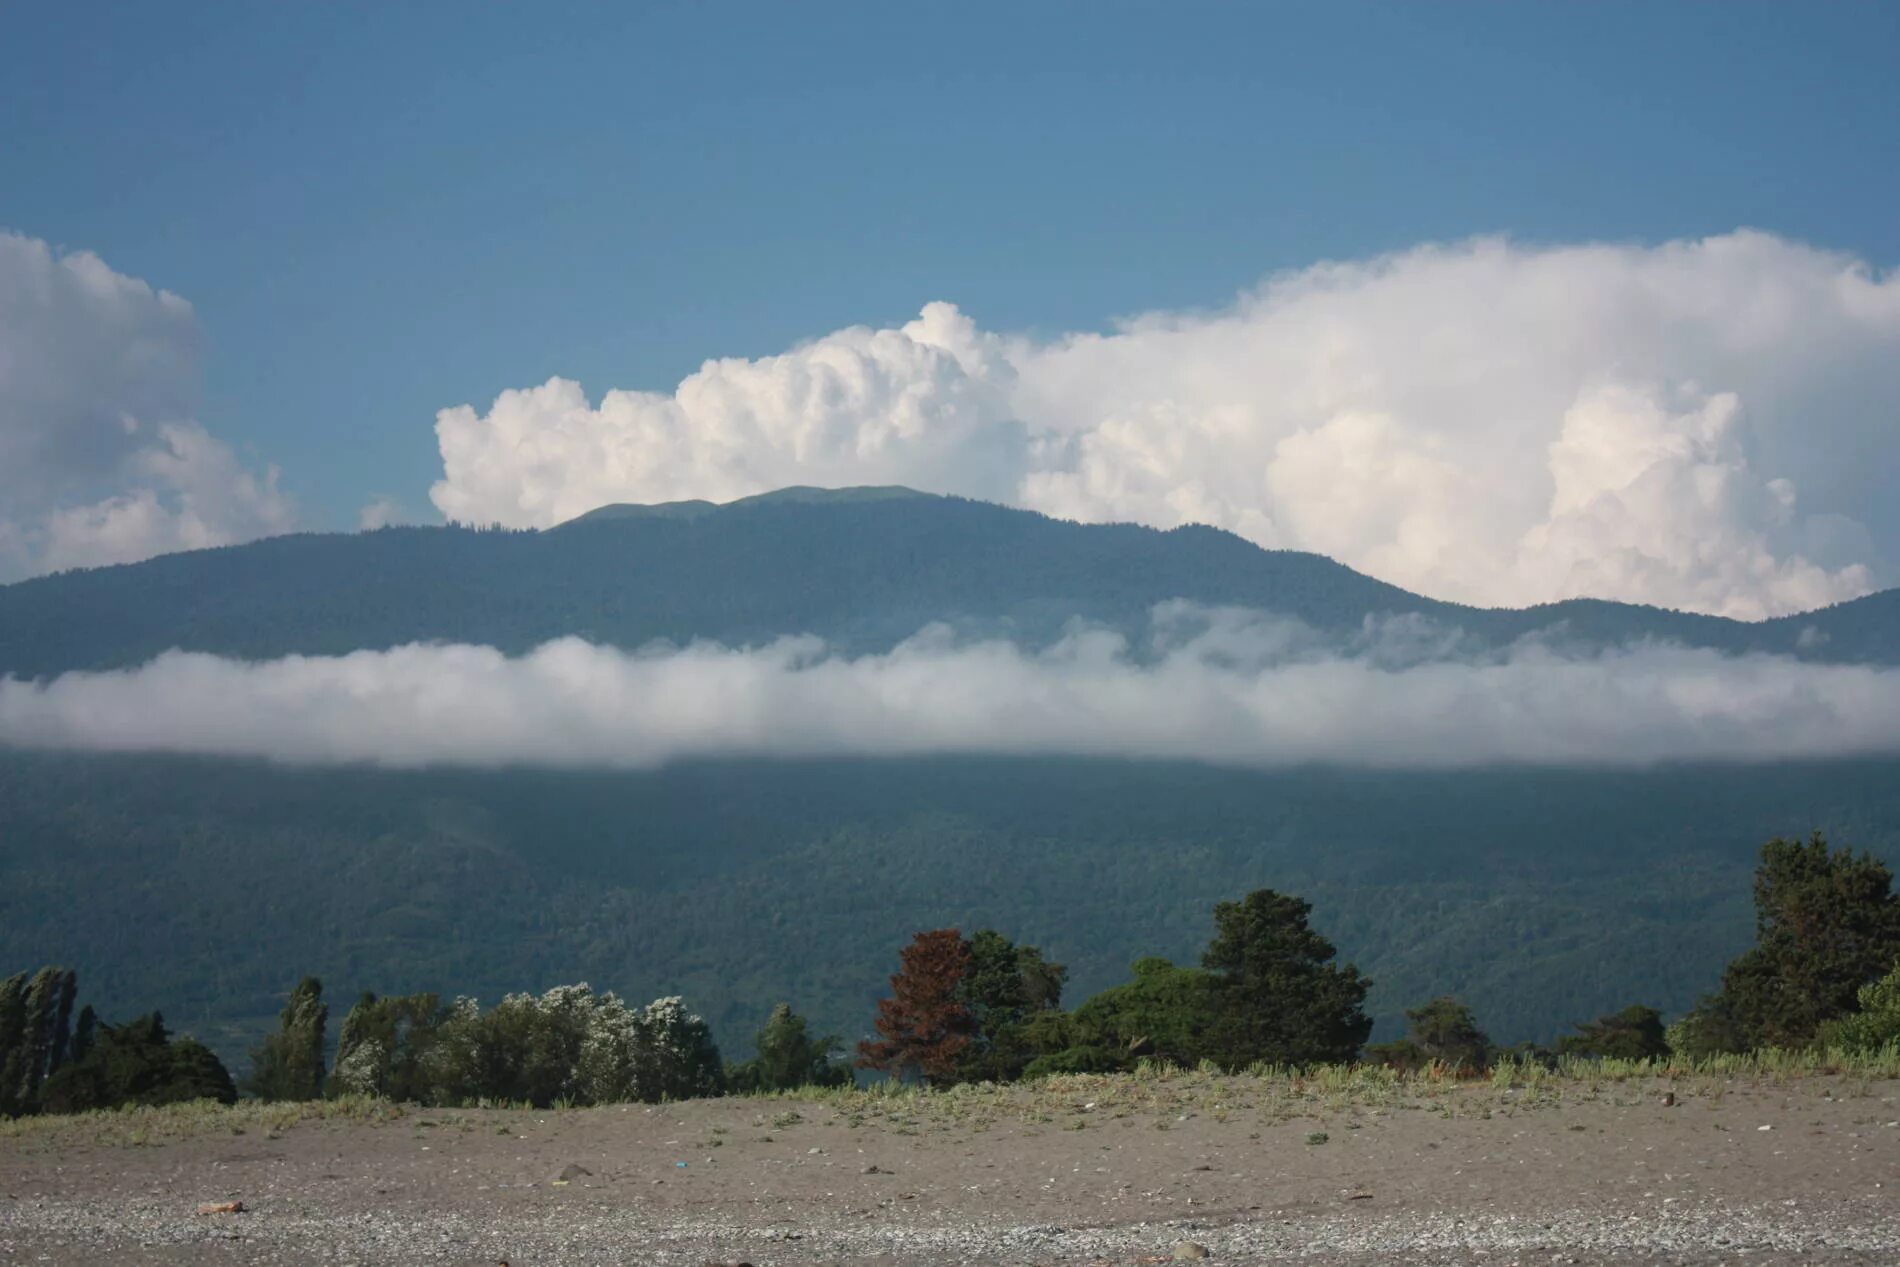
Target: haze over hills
x=862 y=568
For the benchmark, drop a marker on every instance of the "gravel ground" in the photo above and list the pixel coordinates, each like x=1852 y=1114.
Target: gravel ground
x=1088 y=1171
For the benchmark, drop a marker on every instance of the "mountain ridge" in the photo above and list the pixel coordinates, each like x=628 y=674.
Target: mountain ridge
x=863 y=568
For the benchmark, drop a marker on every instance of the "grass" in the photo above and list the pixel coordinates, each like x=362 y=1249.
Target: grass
x=1160 y=1094
x=143 y=1126
x=1768 y=1063
x=1154 y=1095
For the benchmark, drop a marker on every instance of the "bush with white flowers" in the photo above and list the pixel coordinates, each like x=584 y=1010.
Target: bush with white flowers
x=567 y=1046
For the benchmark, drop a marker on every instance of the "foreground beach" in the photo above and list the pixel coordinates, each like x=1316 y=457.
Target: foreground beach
x=1340 y=1169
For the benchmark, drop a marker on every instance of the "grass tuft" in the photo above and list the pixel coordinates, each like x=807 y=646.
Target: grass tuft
x=1154 y=1093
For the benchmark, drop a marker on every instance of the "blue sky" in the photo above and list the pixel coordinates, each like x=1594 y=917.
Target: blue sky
x=382 y=210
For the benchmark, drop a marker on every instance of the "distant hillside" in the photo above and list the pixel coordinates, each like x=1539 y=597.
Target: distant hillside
x=1540 y=897
x=863 y=568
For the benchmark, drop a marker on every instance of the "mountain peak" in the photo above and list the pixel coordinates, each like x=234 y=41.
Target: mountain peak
x=797 y=494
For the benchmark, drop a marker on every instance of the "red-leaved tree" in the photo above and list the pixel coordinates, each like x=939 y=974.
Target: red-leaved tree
x=922 y=1024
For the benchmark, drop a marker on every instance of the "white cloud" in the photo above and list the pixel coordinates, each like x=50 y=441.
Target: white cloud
x=1709 y=424
x=1229 y=687
x=198 y=495
x=100 y=460
x=380 y=511
x=920 y=405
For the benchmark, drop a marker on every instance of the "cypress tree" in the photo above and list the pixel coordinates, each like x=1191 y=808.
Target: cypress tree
x=288 y=1065
x=12 y=1039
x=35 y=1049
x=382 y=1045
x=34 y=1014
x=62 y=1022
x=85 y=1030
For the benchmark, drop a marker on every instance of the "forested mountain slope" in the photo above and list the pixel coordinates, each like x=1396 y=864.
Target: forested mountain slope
x=1541 y=897
x=862 y=568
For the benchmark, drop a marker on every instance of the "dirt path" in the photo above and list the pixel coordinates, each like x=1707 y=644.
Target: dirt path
x=1087 y=1171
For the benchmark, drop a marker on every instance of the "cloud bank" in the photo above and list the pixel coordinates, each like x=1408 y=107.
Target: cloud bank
x=1227 y=687
x=100 y=459
x=1712 y=425
x=1708 y=424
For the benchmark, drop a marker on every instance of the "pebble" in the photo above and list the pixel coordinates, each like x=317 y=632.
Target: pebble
x=297 y=1234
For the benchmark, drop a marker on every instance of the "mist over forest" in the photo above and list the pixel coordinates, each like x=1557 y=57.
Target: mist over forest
x=659 y=751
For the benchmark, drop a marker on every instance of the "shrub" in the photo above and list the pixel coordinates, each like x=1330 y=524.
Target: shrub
x=568 y=1045
x=1635 y=1033
x=1078 y=1060
x=138 y=1063
x=1876 y=1025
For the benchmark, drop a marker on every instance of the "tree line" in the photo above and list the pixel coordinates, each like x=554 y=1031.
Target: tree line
x=1824 y=971
x=52 y=1062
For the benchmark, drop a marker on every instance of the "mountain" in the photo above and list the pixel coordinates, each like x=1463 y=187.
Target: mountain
x=207 y=887
x=1541 y=897
x=862 y=568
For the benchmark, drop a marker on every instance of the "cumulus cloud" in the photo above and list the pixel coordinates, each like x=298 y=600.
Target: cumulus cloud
x=1228 y=687
x=922 y=405
x=100 y=459
x=1708 y=425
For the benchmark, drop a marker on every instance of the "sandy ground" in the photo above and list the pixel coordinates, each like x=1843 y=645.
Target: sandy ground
x=1089 y=1171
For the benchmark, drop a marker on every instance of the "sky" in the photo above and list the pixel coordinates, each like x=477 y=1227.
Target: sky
x=1501 y=303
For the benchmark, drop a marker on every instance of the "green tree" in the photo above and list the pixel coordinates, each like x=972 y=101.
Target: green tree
x=1443 y=1030
x=383 y=1047
x=12 y=1040
x=1635 y=1033
x=35 y=1014
x=1875 y=1023
x=674 y=1053
x=1711 y=1027
x=60 y=1043
x=567 y=1045
x=526 y=1048
x=1165 y=1013
x=924 y=1026
x=138 y=1063
x=1281 y=998
x=288 y=1065
x=789 y=1057
x=85 y=1030
x=1005 y=986
x=1827 y=923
